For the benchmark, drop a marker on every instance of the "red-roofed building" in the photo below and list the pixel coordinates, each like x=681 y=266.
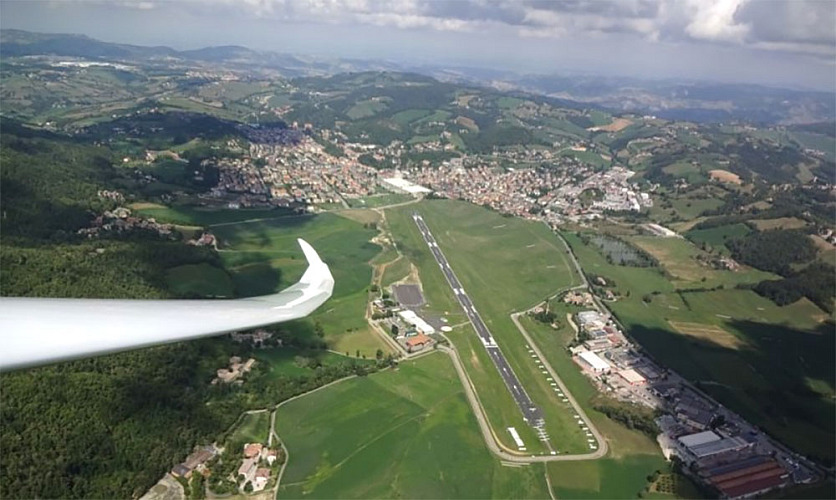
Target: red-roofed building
x=252 y=450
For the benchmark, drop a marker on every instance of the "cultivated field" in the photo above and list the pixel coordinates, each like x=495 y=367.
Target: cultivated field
x=710 y=333
x=780 y=223
x=405 y=433
x=725 y=176
x=679 y=257
x=617 y=125
x=252 y=428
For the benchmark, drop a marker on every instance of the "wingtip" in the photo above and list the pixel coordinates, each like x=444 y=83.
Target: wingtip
x=310 y=254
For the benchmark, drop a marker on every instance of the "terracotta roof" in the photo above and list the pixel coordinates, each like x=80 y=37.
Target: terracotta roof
x=419 y=339
x=252 y=449
x=262 y=472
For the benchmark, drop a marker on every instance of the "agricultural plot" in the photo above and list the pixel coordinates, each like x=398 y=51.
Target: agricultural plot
x=519 y=263
x=205 y=216
x=365 y=109
x=785 y=353
x=716 y=237
x=779 y=223
x=406 y=433
x=253 y=428
x=679 y=258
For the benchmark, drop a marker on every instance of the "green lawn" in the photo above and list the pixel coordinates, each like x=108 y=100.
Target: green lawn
x=405 y=433
x=519 y=263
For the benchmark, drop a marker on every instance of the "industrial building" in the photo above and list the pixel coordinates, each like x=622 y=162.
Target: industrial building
x=746 y=478
x=593 y=362
x=410 y=318
x=402 y=185
x=632 y=377
x=708 y=444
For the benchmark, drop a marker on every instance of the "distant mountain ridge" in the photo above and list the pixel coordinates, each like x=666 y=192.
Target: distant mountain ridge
x=690 y=101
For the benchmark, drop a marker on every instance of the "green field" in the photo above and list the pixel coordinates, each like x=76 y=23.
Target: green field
x=679 y=258
x=405 y=433
x=365 y=109
x=207 y=217
x=379 y=200
x=291 y=361
x=395 y=271
x=199 y=280
x=752 y=355
x=404 y=118
x=253 y=428
x=264 y=257
x=716 y=237
x=519 y=263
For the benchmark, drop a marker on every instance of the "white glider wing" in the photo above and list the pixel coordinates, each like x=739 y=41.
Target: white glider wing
x=37 y=331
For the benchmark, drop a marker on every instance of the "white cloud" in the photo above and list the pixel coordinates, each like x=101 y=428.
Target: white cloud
x=715 y=21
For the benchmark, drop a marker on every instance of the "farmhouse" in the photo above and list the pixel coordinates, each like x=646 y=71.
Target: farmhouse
x=248 y=468
x=262 y=475
x=594 y=362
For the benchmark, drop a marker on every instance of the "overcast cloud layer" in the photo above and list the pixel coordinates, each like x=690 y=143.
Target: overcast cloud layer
x=776 y=42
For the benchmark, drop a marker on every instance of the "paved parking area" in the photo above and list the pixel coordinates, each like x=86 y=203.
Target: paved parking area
x=409 y=296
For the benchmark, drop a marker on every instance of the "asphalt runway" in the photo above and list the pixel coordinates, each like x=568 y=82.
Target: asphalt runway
x=531 y=413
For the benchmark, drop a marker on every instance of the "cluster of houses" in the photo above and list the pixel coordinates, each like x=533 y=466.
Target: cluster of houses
x=252 y=469
x=234 y=372
x=120 y=220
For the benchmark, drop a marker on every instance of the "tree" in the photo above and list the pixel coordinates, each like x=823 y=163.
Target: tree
x=379 y=354
x=248 y=488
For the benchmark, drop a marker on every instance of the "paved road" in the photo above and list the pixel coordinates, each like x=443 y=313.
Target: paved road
x=531 y=413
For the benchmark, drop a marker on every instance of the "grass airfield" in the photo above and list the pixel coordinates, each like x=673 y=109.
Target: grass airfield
x=505 y=265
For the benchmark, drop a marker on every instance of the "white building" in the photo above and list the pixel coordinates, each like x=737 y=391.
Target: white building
x=594 y=362
x=411 y=318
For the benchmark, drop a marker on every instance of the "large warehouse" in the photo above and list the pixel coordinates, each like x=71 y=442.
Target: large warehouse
x=594 y=362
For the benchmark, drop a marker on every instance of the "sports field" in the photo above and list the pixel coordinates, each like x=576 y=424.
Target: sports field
x=505 y=264
x=263 y=257
x=749 y=354
x=405 y=433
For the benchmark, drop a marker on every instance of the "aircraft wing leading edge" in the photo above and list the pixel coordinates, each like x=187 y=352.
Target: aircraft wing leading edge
x=37 y=331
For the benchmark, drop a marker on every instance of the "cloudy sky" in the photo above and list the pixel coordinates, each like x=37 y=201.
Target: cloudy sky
x=774 y=42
